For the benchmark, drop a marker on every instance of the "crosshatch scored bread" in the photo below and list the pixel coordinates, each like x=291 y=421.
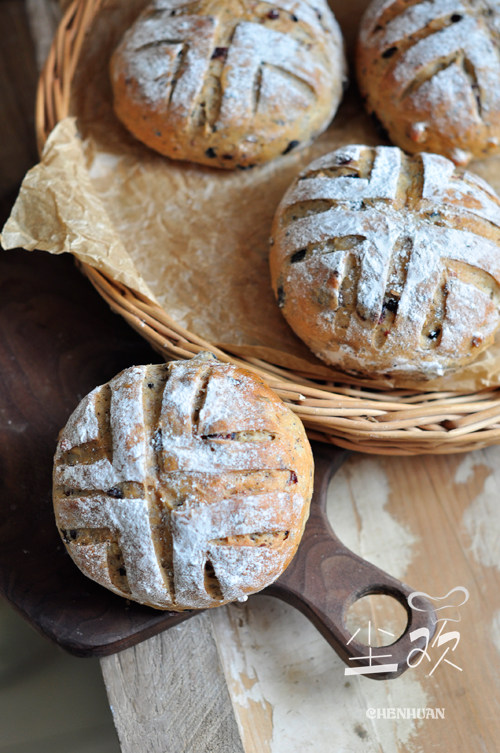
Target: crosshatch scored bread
x=386 y=264
x=184 y=485
x=232 y=83
x=430 y=71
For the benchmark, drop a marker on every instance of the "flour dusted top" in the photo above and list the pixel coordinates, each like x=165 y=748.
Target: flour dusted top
x=386 y=264
x=182 y=486
x=230 y=83
x=430 y=71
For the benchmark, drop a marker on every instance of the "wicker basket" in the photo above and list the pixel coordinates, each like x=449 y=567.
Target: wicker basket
x=397 y=422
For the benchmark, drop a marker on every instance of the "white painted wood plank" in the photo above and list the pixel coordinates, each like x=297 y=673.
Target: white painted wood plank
x=432 y=521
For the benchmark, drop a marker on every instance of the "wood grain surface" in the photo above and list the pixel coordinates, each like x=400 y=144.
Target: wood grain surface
x=170 y=694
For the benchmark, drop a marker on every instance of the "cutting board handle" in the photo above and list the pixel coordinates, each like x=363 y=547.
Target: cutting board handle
x=325 y=578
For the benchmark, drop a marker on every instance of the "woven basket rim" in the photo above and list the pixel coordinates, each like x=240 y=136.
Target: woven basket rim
x=396 y=422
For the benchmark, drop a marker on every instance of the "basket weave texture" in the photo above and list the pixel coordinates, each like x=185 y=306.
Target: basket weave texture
x=394 y=423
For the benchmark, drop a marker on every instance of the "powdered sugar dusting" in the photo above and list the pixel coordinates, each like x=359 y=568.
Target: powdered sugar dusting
x=252 y=45
x=205 y=68
x=467 y=35
x=99 y=475
x=127 y=420
x=153 y=49
x=219 y=457
x=82 y=425
x=128 y=520
x=464 y=194
x=382 y=183
x=465 y=304
x=439 y=63
x=195 y=526
x=409 y=21
x=389 y=261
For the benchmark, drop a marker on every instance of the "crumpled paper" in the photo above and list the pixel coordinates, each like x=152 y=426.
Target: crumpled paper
x=190 y=238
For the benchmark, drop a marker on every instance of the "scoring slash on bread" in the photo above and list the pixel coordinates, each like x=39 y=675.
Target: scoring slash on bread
x=387 y=264
x=183 y=486
x=229 y=83
x=430 y=72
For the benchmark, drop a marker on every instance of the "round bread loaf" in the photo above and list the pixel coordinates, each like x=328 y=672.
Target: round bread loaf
x=430 y=72
x=386 y=264
x=229 y=83
x=184 y=485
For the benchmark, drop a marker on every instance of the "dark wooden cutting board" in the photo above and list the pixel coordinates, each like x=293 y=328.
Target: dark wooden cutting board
x=57 y=341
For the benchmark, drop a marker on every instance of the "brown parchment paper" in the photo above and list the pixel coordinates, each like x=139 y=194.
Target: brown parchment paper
x=193 y=239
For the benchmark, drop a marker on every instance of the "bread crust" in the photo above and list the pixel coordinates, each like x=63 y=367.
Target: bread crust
x=229 y=84
x=182 y=486
x=386 y=264
x=430 y=74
